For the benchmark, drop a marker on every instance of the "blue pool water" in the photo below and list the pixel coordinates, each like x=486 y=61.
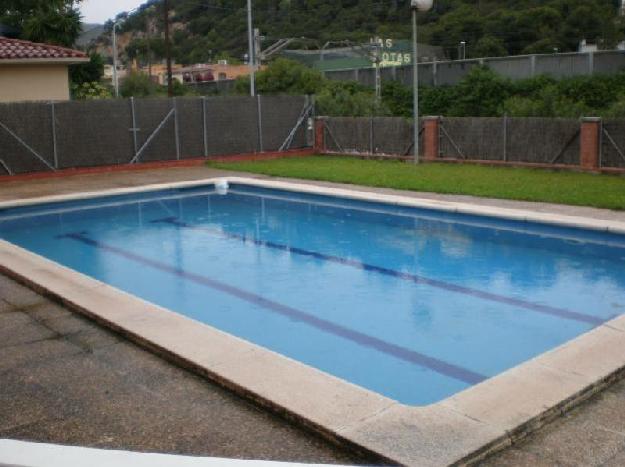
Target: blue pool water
x=414 y=304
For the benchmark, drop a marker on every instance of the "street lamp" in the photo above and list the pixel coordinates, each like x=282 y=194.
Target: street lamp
x=251 y=52
x=416 y=6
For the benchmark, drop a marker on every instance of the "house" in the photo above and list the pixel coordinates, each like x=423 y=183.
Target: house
x=200 y=73
x=35 y=72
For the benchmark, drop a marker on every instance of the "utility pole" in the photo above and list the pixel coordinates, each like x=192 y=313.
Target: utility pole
x=148 y=35
x=170 y=83
x=115 y=76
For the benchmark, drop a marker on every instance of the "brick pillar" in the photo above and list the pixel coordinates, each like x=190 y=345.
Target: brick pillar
x=431 y=139
x=320 y=136
x=589 y=143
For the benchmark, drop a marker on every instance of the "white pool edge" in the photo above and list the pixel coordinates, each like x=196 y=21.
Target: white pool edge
x=463 y=428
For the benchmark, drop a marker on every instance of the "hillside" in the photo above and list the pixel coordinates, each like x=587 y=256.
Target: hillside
x=90 y=32
x=210 y=29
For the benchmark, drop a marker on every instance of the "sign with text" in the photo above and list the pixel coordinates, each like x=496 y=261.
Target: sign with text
x=392 y=52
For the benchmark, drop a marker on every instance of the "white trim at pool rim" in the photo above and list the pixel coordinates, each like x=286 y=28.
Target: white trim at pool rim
x=460 y=429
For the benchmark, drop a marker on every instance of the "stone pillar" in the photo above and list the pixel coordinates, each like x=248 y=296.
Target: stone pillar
x=320 y=136
x=589 y=143
x=431 y=138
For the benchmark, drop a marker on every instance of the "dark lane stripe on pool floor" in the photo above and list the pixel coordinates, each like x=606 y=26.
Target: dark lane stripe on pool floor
x=408 y=355
x=537 y=307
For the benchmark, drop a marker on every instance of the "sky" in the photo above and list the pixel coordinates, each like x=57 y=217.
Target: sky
x=98 y=11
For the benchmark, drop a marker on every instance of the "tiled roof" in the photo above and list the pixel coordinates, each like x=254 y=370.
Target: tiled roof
x=15 y=49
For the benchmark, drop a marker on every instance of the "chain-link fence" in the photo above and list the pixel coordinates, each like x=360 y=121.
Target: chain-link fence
x=526 y=140
x=613 y=144
x=534 y=140
x=382 y=136
x=50 y=136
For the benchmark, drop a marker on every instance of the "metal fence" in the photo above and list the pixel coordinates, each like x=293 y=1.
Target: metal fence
x=613 y=143
x=514 y=67
x=534 y=140
x=384 y=136
x=214 y=88
x=525 y=140
x=50 y=136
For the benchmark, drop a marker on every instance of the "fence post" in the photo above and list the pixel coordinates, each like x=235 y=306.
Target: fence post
x=505 y=137
x=310 y=125
x=176 y=128
x=371 y=142
x=134 y=126
x=320 y=136
x=431 y=138
x=589 y=143
x=532 y=65
x=54 y=143
x=259 y=110
x=204 y=129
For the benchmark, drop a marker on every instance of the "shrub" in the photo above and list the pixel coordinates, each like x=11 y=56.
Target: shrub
x=91 y=91
x=138 y=85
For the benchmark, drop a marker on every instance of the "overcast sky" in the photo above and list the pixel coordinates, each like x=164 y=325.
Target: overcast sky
x=98 y=11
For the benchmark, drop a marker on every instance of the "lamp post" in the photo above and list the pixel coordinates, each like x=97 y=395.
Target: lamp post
x=251 y=54
x=170 y=81
x=416 y=6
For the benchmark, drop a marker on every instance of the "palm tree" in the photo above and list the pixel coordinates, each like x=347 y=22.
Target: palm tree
x=51 y=21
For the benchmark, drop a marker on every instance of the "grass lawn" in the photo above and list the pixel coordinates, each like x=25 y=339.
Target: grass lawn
x=580 y=189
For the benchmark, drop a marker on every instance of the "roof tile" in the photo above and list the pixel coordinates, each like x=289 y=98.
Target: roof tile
x=15 y=49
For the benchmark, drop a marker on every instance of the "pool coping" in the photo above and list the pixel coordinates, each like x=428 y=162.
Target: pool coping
x=461 y=429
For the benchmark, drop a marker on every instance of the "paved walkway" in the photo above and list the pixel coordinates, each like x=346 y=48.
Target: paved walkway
x=63 y=379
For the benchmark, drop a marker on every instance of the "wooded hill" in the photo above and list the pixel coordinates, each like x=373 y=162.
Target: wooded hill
x=205 y=30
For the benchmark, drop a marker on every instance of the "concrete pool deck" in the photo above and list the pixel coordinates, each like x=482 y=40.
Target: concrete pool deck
x=130 y=399
x=66 y=380
x=461 y=428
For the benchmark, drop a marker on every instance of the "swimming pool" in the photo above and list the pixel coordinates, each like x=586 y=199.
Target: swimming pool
x=415 y=304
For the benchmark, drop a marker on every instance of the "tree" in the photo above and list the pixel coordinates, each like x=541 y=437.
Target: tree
x=480 y=94
x=87 y=72
x=50 y=21
x=284 y=77
x=549 y=103
x=489 y=46
x=138 y=85
x=220 y=25
x=347 y=98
